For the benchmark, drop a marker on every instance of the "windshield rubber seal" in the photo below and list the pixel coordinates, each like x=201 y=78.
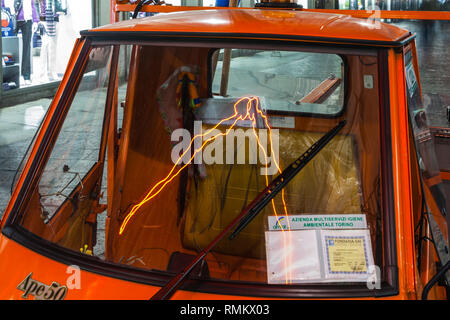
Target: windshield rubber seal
x=220 y=36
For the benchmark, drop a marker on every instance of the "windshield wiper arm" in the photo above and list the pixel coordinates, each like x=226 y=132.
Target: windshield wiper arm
x=285 y=177
x=250 y=212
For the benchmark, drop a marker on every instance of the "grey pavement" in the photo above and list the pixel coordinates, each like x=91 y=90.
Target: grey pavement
x=18 y=126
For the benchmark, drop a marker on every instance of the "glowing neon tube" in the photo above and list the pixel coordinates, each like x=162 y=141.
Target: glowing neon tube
x=158 y=187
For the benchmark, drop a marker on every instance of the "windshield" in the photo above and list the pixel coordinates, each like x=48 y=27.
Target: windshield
x=197 y=134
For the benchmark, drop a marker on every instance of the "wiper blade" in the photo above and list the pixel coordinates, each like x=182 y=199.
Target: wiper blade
x=285 y=177
x=250 y=212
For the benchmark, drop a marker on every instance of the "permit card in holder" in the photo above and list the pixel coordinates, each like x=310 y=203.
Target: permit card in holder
x=318 y=255
x=347 y=255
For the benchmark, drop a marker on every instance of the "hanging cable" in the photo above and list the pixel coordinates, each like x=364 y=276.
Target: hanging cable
x=141 y=4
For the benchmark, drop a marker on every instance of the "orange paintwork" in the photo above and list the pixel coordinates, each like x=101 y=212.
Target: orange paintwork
x=263 y=22
x=100 y=287
x=255 y=22
x=400 y=153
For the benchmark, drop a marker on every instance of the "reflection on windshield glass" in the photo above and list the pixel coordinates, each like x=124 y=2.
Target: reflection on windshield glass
x=187 y=161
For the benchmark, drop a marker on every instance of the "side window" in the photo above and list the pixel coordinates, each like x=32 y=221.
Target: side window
x=288 y=81
x=69 y=205
x=426 y=152
x=427 y=166
x=77 y=147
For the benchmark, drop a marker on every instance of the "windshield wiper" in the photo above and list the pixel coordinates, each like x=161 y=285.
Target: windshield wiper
x=252 y=210
x=285 y=177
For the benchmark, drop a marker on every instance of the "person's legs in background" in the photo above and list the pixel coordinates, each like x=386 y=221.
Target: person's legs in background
x=43 y=60
x=26 y=28
x=51 y=65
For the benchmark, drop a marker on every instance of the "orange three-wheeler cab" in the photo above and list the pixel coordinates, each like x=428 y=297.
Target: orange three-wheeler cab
x=267 y=153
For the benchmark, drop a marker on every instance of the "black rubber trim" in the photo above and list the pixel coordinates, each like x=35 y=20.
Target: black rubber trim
x=159 y=278
x=221 y=36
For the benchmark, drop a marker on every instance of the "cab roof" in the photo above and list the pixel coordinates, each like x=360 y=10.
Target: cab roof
x=260 y=24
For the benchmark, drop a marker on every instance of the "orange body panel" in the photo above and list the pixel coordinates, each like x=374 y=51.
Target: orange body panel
x=400 y=153
x=222 y=23
x=263 y=22
x=100 y=287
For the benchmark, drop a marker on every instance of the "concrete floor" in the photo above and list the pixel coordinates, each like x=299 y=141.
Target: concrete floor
x=18 y=126
x=19 y=123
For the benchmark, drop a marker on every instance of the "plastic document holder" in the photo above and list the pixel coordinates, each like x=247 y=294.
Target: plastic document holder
x=319 y=255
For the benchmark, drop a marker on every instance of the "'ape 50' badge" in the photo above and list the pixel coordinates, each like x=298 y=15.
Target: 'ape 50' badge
x=42 y=291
